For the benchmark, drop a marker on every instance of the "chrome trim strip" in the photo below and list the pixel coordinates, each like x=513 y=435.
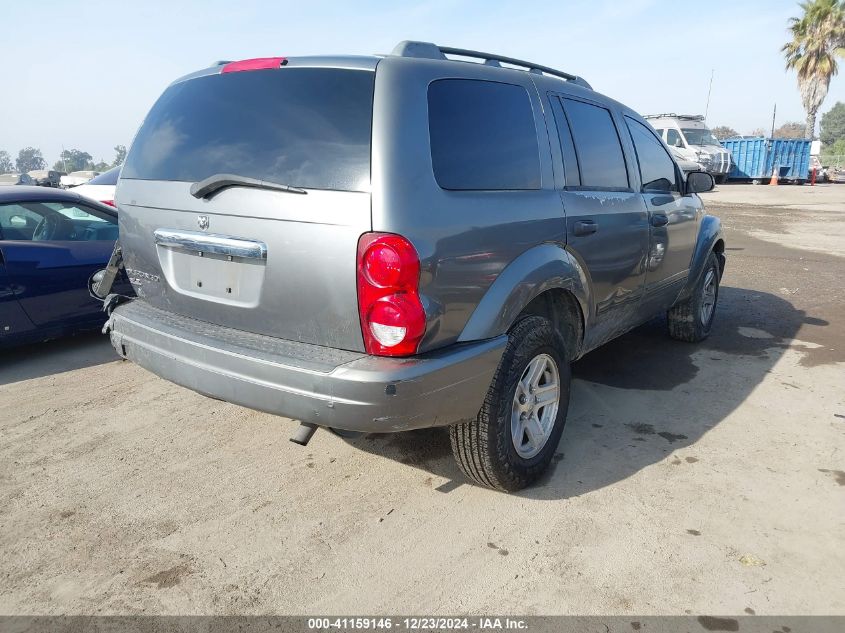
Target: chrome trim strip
x=210 y=243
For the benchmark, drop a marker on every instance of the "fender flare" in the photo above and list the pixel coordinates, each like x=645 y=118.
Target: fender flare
x=541 y=268
x=709 y=233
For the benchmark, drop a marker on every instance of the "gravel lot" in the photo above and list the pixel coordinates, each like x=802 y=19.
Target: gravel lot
x=690 y=479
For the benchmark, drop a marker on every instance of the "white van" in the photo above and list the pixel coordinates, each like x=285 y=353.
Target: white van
x=690 y=137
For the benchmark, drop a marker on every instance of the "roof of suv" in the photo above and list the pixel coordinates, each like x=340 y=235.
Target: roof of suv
x=351 y=62
x=408 y=49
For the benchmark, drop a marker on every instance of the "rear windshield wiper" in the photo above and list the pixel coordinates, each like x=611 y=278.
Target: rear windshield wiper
x=209 y=186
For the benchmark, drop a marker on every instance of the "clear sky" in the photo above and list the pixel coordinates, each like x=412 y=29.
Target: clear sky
x=83 y=74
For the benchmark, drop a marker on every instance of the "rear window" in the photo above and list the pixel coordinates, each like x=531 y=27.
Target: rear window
x=482 y=136
x=305 y=127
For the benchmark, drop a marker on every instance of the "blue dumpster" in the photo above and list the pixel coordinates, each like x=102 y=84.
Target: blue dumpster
x=757 y=158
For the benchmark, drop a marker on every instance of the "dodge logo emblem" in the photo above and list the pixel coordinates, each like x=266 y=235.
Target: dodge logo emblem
x=202 y=221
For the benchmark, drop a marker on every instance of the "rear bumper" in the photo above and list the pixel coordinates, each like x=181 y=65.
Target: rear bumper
x=316 y=385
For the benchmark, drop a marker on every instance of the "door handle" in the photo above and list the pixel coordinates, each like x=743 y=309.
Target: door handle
x=585 y=227
x=659 y=219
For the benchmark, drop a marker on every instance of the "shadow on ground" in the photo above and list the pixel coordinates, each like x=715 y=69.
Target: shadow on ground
x=640 y=397
x=54 y=357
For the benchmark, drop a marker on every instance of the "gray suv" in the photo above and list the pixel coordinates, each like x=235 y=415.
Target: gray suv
x=384 y=243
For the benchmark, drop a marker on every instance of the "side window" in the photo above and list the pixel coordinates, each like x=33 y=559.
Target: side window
x=55 y=221
x=17 y=223
x=600 y=157
x=81 y=223
x=482 y=136
x=673 y=139
x=657 y=169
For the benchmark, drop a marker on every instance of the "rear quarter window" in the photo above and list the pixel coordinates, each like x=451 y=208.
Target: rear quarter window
x=482 y=136
x=305 y=127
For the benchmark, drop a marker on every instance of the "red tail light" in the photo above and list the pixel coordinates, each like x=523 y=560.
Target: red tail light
x=259 y=63
x=392 y=315
x=108 y=202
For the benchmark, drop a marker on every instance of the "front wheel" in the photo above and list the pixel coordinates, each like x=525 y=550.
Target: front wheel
x=513 y=439
x=692 y=319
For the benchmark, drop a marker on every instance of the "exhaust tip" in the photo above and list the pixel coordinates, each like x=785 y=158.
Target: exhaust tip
x=303 y=434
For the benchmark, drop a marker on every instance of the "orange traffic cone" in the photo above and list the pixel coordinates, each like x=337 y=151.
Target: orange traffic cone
x=774 y=180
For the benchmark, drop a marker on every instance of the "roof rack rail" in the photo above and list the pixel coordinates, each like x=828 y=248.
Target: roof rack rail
x=427 y=50
x=691 y=117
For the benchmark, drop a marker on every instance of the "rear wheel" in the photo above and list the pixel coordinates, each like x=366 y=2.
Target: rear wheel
x=692 y=319
x=513 y=439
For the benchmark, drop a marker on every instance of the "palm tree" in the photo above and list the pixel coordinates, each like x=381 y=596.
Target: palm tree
x=818 y=38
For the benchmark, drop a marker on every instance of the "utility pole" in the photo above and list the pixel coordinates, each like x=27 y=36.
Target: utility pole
x=709 y=90
x=774 y=114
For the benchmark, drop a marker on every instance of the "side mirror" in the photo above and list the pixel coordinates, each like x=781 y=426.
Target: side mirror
x=679 y=142
x=699 y=182
x=94 y=283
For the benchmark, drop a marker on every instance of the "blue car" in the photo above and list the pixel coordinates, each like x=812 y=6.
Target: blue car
x=51 y=242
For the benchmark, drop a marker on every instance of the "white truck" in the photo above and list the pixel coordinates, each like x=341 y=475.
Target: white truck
x=690 y=138
x=76 y=178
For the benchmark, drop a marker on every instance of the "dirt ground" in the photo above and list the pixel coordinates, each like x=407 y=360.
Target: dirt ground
x=808 y=218
x=690 y=478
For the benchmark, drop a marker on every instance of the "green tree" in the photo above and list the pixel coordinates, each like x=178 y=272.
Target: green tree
x=30 y=158
x=722 y=132
x=832 y=126
x=5 y=162
x=119 y=155
x=791 y=129
x=838 y=148
x=818 y=38
x=74 y=160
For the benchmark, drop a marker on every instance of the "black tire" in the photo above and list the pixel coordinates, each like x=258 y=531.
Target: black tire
x=686 y=321
x=484 y=448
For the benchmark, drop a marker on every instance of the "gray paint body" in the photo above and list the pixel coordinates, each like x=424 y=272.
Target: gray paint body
x=484 y=256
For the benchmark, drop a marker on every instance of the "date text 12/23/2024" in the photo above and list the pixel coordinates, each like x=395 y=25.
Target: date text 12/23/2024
x=416 y=623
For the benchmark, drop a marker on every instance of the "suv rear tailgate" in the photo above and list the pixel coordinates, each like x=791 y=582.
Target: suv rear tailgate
x=304 y=289
x=270 y=262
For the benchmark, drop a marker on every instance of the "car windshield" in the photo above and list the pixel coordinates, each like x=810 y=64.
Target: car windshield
x=700 y=136
x=107 y=178
x=304 y=127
